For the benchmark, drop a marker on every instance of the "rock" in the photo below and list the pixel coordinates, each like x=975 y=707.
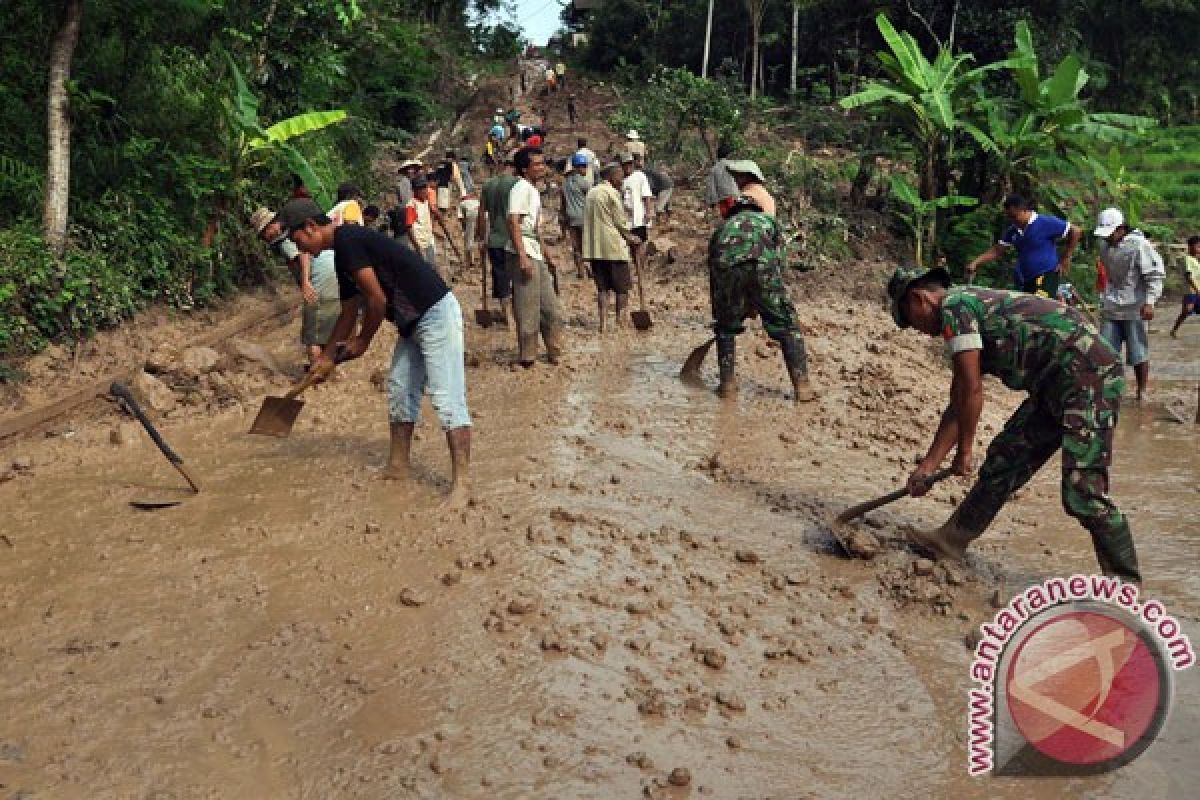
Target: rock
x=733 y=743
x=22 y=463
x=521 y=605
x=372 y=528
x=637 y=607
x=922 y=566
x=870 y=618
x=714 y=659
x=154 y=393
x=746 y=556
x=861 y=544
x=160 y=360
x=256 y=353
x=640 y=759
x=199 y=360
x=410 y=597
x=731 y=700
x=680 y=776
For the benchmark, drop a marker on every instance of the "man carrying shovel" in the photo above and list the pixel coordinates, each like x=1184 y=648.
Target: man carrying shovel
x=746 y=258
x=1074 y=382
x=386 y=280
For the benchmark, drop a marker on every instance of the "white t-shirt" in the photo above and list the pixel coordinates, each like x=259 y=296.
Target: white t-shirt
x=635 y=189
x=525 y=200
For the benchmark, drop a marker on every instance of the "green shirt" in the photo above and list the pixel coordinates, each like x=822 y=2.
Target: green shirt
x=1030 y=343
x=495 y=200
x=749 y=239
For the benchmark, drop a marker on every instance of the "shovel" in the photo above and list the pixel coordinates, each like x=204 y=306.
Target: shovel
x=485 y=316
x=641 y=318
x=126 y=398
x=691 y=368
x=862 y=508
x=278 y=414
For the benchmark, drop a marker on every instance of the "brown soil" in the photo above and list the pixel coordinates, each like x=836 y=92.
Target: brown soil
x=643 y=597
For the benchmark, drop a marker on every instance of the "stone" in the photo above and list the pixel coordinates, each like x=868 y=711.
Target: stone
x=256 y=353
x=154 y=393
x=746 y=556
x=521 y=605
x=922 y=566
x=22 y=463
x=680 y=776
x=199 y=360
x=409 y=597
x=731 y=700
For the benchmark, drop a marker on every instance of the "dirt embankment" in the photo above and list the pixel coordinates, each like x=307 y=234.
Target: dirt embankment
x=641 y=600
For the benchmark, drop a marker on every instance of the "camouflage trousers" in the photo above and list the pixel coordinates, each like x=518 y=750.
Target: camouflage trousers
x=748 y=288
x=1084 y=431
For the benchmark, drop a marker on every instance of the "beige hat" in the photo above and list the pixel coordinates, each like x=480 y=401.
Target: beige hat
x=261 y=219
x=745 y=167
x=626 y=158
x=412 y=162
x=632 y=135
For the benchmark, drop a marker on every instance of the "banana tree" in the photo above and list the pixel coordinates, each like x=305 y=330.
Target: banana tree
x=1048 y=126
x=253 y=146
x=930 y=99
x=920 y=213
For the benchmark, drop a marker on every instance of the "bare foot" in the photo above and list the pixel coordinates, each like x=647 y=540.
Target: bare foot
x=457 y=498
x=396 y=472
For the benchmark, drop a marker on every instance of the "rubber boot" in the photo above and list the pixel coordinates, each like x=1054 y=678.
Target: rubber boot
x=949 y=542
x=727 y=364
x=795 y=357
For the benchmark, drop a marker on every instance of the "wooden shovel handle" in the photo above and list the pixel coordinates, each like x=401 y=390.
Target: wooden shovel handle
x=890 y=497
x=637 y=268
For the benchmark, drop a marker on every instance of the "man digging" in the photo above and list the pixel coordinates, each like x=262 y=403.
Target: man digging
x=746 y=257
x=384 y=279
x=1074 y=382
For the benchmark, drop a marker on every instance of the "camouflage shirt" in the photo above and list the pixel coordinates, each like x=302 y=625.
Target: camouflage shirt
x=1030 y=343
x=750 y=239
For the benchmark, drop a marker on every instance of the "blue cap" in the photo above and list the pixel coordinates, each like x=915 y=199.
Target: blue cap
x=579 y=160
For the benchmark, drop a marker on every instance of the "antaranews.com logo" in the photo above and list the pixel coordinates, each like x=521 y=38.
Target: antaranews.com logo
x=1074 y=677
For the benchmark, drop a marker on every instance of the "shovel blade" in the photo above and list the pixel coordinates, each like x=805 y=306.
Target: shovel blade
x=691 y=368
x=484 y=317
x=641 y=320
x=277 y=416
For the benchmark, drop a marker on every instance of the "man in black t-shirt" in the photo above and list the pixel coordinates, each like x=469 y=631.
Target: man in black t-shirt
x=384 y=279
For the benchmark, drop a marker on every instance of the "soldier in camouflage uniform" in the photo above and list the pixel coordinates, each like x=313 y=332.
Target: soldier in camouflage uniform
x=746 y=257
x=1074 y=382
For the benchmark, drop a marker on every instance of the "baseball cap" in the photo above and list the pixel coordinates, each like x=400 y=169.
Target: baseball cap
x=1110 y=220
x=903 y=278
x=297 y=212
x=261 y=218
x=579 y=160
x=632 y=135
x=745 y=167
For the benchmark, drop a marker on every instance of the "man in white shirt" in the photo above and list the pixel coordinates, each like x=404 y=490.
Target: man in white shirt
x=639 y=204
x=535 y=303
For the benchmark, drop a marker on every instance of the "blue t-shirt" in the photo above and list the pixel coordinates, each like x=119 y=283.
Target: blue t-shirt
x=1037 y=253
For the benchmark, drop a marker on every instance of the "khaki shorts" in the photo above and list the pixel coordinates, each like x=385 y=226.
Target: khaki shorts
x=316 y=322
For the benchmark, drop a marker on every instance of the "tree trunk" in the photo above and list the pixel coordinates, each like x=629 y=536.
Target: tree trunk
x=862 y=180
x=795 y=47
x=754 y=61
x=58 y=130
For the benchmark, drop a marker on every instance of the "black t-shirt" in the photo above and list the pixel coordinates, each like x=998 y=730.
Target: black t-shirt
x=410 y=284
x=444 y=174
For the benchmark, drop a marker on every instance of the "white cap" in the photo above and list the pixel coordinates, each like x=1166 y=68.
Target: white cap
x=1110 y=220
x=633 y=134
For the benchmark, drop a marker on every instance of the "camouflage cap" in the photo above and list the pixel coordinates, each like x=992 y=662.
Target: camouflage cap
x=903 y=278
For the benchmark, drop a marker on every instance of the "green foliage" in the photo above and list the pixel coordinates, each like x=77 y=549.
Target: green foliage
x=674 y=104
x=917 y=213
x=168 y=152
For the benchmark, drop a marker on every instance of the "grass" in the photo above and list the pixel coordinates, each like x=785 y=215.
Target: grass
x=1169 y=165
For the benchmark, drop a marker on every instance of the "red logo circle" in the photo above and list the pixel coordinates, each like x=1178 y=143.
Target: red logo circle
x=1085 y=688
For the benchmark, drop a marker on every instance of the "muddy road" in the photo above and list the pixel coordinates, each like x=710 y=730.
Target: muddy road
x=642 y=599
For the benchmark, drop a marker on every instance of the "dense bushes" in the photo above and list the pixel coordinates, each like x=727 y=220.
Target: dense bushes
x=159 y=197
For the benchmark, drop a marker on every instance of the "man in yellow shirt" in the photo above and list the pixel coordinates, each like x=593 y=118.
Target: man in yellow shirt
x=606 y=242
x=1191 y=300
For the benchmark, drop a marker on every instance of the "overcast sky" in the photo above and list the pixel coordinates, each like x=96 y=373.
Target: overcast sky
x=539 y=18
